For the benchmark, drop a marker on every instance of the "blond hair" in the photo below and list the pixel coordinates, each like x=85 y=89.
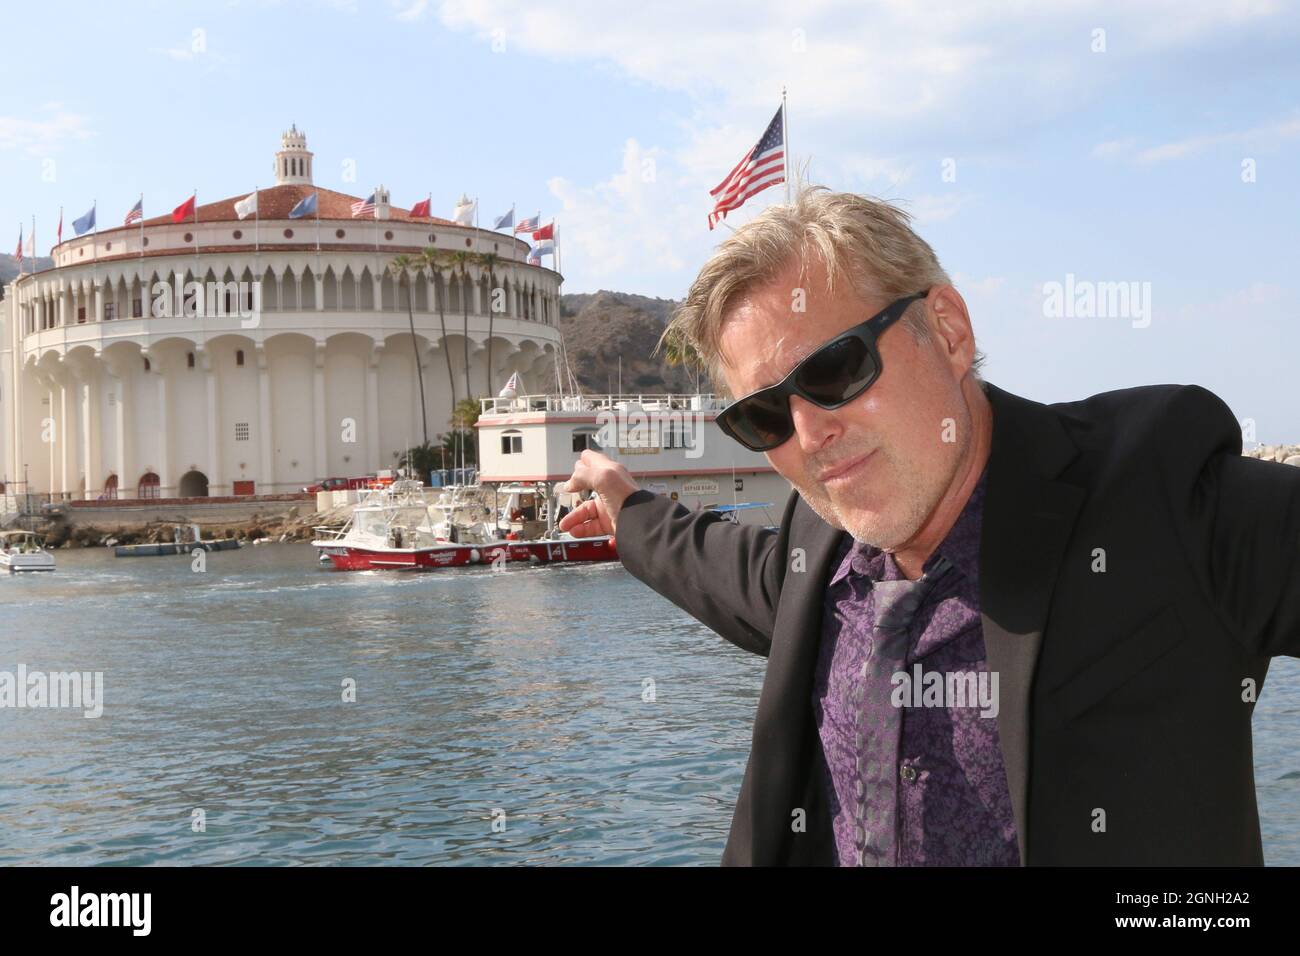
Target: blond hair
x=867 y=240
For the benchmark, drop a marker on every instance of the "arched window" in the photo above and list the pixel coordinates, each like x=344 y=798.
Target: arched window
x=239 y=357
x=148 y=487
x=512 y=442
x=146 y=364
x=189 y=359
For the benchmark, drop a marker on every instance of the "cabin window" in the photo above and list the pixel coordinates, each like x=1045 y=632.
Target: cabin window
x=512 y=443
x=583 y=440
x=137 y=308
x=110 y=311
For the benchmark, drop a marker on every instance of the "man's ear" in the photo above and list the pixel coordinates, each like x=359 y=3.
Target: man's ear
x=950 y=322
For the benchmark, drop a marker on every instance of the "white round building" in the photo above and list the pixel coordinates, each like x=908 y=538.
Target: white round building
x=230 y=356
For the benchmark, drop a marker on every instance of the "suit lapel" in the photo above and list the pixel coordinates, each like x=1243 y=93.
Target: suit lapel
x=1027 y=521
x=782 y=762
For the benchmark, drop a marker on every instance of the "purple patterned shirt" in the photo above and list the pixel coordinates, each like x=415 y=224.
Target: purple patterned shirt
x=954 y=807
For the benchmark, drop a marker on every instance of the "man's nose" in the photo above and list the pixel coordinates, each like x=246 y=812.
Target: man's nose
x=814 y=426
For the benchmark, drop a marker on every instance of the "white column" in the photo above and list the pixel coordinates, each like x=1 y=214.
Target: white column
x=89 y=432
x=120 y=384
x=318 y=412
x=166 y=487
x=372 y=408
x=99 y=302
x=266 y=474
x=67 y=437
x=216 y=475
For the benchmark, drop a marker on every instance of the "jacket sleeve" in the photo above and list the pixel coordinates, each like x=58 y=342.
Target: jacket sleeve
x=1240 y=521
x=727 y=576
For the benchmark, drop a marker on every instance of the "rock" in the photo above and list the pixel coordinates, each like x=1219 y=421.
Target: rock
x=1292 y=460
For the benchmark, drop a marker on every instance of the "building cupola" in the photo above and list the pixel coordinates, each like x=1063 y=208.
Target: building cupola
x=293 y=161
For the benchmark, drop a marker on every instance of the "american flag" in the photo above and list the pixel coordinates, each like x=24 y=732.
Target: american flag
x=136 y=213
x=763 y=166
x=529 y=224
x=363 y=206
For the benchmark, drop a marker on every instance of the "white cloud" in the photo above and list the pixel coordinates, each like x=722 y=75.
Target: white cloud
x=638 y=212
x=44 y=135
x=409 y=10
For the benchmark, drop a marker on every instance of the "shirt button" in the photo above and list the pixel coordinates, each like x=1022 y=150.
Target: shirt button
x=908 y=773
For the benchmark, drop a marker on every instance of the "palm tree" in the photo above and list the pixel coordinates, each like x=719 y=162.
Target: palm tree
x=436 y=261
x=401 y=268
x=461 y=261
x=678 y=350
x=489 y=260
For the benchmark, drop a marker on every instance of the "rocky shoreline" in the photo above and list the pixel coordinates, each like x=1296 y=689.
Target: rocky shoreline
x=296 y=524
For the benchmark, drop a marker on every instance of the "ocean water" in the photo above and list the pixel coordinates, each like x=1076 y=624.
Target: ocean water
x=543 y=715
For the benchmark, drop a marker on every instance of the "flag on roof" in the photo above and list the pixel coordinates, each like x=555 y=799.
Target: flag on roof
x=363 y=206
x=422 y=209
x=762 y=166
x=136 y=213
x=306 y=207
x=184 y=210
x=529 y=224
x=501 y=222
x=544 y=248
x=464 y=211
x=59 y=232
x=246 y=206
x=85 y=223
x=18 y=253
x=512 y=386
x=546 y=232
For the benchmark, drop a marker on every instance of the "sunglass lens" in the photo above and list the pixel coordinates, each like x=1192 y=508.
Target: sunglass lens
x=837 y=372
x=761 y=421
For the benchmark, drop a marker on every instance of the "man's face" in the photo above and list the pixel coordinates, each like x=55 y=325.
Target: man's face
x=878 y=466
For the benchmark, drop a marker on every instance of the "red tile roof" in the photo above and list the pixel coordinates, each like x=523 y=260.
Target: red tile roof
x=274 y=202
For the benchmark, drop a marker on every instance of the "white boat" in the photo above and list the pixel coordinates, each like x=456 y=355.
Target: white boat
x=397 y=528
x=24 y=551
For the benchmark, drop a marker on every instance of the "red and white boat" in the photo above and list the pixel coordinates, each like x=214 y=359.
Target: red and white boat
x=397 y=528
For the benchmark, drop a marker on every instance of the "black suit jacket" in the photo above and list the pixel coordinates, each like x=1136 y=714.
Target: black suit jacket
x=1126 y=693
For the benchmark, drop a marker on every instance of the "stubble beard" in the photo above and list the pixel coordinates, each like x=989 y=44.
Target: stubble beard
x=902 y=518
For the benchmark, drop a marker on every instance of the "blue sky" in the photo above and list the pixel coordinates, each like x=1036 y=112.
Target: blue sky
x=1112 y=156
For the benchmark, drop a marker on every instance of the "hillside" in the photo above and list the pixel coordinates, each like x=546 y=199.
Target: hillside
x=9 y=266
x=599 y=327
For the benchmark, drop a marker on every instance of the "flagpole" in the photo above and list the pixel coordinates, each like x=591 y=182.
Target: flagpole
x=257 y=220
x=785 y=153
x=142 y=236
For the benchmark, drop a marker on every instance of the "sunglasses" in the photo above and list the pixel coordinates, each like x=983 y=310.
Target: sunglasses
x=834 y=375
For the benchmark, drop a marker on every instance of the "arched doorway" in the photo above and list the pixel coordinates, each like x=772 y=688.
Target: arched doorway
x=110 y=488
x=148 y=487
x=194 y=484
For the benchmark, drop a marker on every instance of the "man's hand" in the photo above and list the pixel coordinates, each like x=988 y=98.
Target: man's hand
x=612 y=484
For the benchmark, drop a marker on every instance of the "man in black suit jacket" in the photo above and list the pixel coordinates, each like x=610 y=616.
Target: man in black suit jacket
x=1135 y=572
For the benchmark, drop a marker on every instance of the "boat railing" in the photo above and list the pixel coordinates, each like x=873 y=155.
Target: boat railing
x=695 y=402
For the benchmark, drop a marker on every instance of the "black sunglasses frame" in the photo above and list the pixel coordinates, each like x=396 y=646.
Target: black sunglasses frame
x=868 y=333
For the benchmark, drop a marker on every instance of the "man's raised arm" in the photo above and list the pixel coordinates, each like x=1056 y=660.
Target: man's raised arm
x=727 y=576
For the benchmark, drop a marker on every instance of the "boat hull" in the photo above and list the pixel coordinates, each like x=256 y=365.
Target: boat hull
x=346 y=557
